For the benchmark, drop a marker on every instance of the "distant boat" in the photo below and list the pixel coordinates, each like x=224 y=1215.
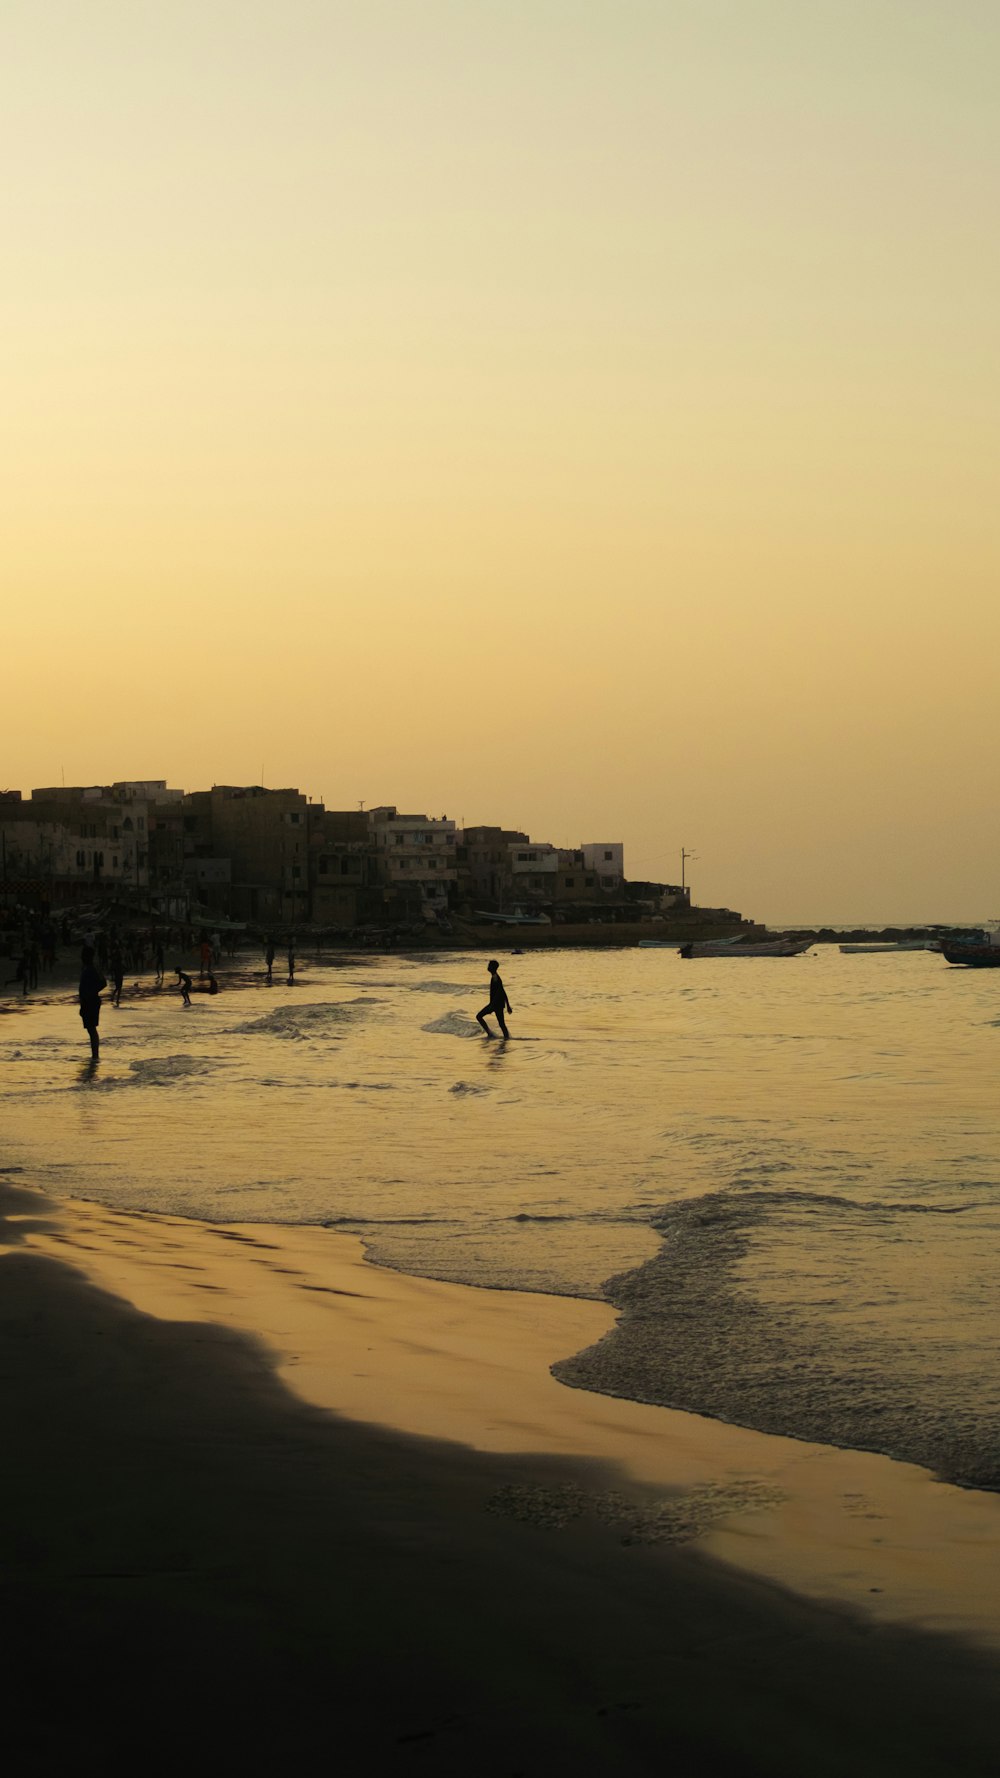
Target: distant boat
x=770 y=947
x=903 y=944
x=514 y=919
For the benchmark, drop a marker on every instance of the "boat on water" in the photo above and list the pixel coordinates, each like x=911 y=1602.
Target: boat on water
x=973 y=956
x=517 y=918
x=903 y=944
x=771 y=947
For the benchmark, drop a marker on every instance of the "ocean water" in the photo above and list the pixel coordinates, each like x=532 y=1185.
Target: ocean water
x=785 y=1173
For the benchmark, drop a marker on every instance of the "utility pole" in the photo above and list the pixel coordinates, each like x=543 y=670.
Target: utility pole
x=686 y=857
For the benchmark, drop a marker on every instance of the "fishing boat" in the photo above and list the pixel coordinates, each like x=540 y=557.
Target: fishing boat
x=903 y=944
x=771 y=947
x=517 y=918
x=972 y=956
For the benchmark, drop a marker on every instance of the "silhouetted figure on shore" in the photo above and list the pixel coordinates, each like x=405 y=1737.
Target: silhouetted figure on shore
x=269 y=955
x=20 y=974
x=184 y=984
x=91 y=983
x=117 y=976
x=213 y=986
x=291 y=961
x=159 y=963
x=498 y=1002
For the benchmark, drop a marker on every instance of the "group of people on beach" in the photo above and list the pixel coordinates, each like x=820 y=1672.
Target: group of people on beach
x=93 y=983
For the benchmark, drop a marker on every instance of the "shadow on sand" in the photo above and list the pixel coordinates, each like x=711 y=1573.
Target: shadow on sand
x=199 y=1569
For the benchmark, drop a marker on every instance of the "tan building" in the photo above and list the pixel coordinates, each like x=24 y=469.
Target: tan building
x=414 y=858
x=339 y=867
x=264 y=835
x=483 y=856
x=66 y=842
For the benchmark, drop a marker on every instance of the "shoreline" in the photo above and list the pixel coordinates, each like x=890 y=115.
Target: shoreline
x=285 y=1501
x=474 y=1364
x=607 y=1360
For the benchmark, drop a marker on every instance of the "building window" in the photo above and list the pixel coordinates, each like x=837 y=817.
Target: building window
x=80 y=861
x=345 y=867
x=589 y=881
x=296 y=871
x=570 y=882
x=99 y=859
x=608 y=856
x=127 y=824
x=398 y=839
x=404 y=864
x=433 y=863
x=114 y=863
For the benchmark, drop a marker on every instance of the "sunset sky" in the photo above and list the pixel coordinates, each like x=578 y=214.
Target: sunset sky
x=575 y=414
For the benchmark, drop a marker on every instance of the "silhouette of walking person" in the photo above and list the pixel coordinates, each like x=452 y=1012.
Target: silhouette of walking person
x=269 y=957
x=117 y=975
x=91 y=983
x=291 y=961
x=184 y=984
x=21 y=974
x=497 y=1003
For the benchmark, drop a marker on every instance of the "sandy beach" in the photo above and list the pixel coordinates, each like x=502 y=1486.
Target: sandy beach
x=263 y=1499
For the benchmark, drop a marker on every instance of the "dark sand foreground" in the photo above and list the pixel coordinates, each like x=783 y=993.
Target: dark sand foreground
x=202 y=1569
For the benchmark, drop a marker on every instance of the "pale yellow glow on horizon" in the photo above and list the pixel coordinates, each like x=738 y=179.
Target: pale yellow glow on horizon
x=577 y=416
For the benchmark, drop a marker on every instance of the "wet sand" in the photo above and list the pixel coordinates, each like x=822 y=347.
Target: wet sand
x=263 y=1500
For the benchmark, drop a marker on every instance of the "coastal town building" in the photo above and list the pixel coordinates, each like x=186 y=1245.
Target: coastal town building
x=340 y=874
x=483 y=857
x=606 y=860
x=65 y=843
x=509 y=873
x=271 y=858
x=264 y=836
x=414 y=857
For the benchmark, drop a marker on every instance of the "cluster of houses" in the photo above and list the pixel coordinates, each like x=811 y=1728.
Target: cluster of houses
x=249 y=854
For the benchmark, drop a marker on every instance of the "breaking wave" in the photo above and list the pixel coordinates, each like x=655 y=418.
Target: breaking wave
x=773 y=1310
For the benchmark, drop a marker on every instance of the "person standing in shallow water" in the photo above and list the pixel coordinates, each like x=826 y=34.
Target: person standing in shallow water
x=91 y=983
x=498 y=1002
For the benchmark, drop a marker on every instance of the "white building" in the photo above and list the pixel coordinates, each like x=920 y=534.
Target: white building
x=535 y=859
x=606 y=858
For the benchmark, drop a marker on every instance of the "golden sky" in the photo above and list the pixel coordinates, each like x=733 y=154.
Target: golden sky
x=576 y=414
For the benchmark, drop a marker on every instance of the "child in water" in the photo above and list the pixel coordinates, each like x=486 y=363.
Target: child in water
x=498 y=1001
